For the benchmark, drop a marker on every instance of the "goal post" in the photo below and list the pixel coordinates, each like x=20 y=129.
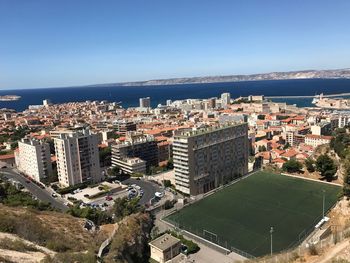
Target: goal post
x=213 y=236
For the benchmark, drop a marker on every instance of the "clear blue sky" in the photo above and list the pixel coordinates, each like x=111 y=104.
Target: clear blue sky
x=73 y=42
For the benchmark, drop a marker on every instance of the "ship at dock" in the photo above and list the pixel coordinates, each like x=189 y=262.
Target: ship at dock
x=9 y=98
x=317 y=98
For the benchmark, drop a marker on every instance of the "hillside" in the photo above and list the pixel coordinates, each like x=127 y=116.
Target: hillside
x=55 y=236
x=304 y=74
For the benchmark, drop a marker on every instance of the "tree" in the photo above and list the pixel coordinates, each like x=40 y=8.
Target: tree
x=105 y=155
x=14 y=145
x=292 y=166
x=340 y=142
x=286 y=146
x=114 y=171
x=95 y=215
x=261 y=117
x=346 y=186
x=123 y=207
x=168 y=204
x=326 y=166
x=170 y=164
x=262 y=148
x=167 y=183
x=309 y=163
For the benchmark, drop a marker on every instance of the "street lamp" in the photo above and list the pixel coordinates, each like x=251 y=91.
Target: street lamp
x=323 y=201
x=271 y=231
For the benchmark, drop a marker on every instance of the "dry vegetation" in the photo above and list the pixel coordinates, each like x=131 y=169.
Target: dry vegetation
x=130 y=241
x=58 y=232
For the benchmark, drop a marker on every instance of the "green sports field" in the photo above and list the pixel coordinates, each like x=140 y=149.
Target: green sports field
x=240 y=216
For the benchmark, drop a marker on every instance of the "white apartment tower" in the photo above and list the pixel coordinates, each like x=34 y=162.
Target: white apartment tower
x=33 y=159
x=145 y=102
x=77 y=157
x=207 y=158
x=225 y=99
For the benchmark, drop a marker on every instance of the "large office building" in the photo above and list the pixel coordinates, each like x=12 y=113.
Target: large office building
x=77 y=157
x=137 y=145
x=207 y=158
x=33 y=159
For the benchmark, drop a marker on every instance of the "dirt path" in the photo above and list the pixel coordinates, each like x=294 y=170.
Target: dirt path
x=24 y=257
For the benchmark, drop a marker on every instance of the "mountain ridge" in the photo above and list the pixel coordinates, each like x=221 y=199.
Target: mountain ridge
x=286 y=75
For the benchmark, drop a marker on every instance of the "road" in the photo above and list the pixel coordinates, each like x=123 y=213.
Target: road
x=148 y=188
x=41 y=194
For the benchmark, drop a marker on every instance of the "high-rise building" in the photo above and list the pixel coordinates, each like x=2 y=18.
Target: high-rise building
x=135 y=145
x=145 y=102
x=47 y=103
x=207 y=158
x=77 y=157
x=225 y=99
x=33 y=159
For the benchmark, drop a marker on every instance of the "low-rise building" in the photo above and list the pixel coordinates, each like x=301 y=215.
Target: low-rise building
x=317 y=140
x=164 y=248
x=131 y=165
x=7 y=160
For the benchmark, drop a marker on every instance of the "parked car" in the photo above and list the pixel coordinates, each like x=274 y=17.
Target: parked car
x=109 y=198
x=54 y=195
x=133 y=191
x=159 y=194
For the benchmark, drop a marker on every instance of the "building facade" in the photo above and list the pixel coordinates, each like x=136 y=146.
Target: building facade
x=77 y=157
x=207 y=158
x=145 y=102
x=33 y=159
x=135 y=145
x=132 y=165
x=125 y=126
x=317 y=140
x=225 y=99
x=164 y=248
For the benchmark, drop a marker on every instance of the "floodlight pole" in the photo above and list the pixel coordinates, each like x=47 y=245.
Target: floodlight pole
x=323 y=201
x=271 y=232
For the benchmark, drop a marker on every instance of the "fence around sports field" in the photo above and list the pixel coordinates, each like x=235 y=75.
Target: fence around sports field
x=221 y=244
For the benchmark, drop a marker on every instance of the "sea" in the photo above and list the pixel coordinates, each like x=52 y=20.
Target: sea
x=129 y=96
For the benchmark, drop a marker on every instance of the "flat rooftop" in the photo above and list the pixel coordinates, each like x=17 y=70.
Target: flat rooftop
x=164 y=242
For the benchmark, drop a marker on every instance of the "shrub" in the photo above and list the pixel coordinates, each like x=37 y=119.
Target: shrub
x=167 y=183
x=313 y=250
x=168 y=204
x=192 y=247
x=292 y=166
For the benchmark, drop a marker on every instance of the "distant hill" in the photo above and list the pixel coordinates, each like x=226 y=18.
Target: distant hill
x=305 y=74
